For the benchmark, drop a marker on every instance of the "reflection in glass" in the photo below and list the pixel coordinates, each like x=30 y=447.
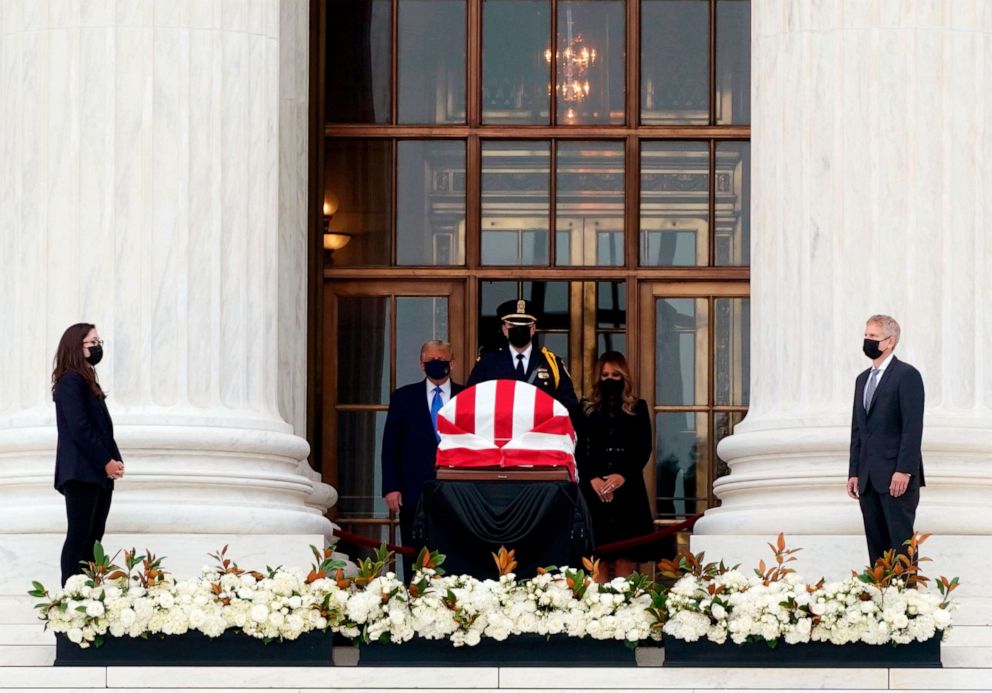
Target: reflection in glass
x=731 y=346
x=674 y=61
x=357 y=193
x=733 y=203
x=680 y=351
x=515 y=74
x=723 y=426
x=431 y=71
x=363 y=349
x=682 y=463
x=515 y=202
x=611 y=341
x=675 y=189
x=611 y=305
x=733 y=62
x=418 y=319
x=359 y=437
x=358 y=61
x=430 y=202
x=589 y=203
x=589 y=85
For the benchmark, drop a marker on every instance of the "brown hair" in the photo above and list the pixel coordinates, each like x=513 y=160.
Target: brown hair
x=617 y=360
x=69 y=358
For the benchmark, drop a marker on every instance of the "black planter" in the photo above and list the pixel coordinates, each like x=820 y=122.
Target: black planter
x=703 y=653
x=515 y=651
x=232 y=649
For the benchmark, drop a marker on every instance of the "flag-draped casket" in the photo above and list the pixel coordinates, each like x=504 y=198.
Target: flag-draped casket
x=505 y=423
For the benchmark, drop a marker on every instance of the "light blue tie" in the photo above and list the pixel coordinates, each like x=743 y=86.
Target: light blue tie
x=870 y=389
x=436 y=405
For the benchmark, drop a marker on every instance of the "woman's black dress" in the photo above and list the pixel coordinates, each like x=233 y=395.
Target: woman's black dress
x=615 y=442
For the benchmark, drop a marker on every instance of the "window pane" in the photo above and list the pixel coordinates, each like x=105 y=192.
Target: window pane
x=363 y=350
x=359 y=471
x=611 y=341
x=731 y=359
x=515 y=74
x=357 y=194
x=723 y=426
x=680 y=351
x=430 y=205
x=358 y=61
x=733 y=203
x=431 y=71
x=675 y=61
x=675 y=190
x=418 y=318
x=733 y=61
x=590 y=62
x=611 y=304
x=589 y=204
x=681 y=454
x=515 y=203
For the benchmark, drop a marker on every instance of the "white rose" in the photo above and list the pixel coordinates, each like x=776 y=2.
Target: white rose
x=75 y=635
x=95 y=609
x=259 y=613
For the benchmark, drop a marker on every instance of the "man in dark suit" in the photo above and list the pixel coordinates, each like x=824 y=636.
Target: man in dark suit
x=886 y=466
x=521 y=360
x=409 y=440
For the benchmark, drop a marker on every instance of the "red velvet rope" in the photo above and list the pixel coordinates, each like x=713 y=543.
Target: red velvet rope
x=613 y=547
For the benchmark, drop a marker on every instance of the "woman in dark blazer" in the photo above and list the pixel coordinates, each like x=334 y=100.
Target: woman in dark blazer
x=87 y=459
x=615 y=444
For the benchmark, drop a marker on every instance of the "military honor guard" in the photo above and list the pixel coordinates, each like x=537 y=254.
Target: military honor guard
x=523 y=360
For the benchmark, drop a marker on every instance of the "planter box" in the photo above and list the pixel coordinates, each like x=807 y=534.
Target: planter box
x=195 y=649
x=515 y=651
x=704 y=653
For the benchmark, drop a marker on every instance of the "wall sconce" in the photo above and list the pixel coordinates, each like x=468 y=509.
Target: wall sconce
x=333 y=240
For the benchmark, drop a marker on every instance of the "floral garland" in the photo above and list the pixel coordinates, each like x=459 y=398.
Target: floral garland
x=881 y=605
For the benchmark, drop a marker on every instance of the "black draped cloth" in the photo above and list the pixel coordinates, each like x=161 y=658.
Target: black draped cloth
x=545 y=522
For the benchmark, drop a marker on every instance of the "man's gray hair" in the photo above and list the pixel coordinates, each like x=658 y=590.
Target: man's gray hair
x=435 y=344
x=888 y=324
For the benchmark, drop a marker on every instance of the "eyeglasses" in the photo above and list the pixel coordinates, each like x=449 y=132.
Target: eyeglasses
x=98 y=342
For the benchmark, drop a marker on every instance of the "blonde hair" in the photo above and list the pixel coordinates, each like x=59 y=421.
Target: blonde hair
x=435 y=344
x=617 y=360
x=888 y=324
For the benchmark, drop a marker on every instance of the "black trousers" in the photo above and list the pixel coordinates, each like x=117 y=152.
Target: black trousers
x=888 y=521
x=86 y=509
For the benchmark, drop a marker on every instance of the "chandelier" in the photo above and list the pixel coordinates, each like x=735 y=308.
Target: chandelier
x=572 y=61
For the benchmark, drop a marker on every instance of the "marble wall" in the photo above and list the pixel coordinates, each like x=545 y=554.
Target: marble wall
x=153 y=159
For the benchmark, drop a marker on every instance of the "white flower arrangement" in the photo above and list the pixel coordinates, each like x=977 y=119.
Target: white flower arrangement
x=706 y=601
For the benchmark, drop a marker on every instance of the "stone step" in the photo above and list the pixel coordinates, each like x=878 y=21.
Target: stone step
x=25 y=634
x=16 y=609
x=26 y=656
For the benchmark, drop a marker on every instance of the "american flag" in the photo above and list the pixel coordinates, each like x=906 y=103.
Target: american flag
x=505 y=423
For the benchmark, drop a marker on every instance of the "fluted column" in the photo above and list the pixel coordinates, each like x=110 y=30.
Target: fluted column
x=872 y=151
x=153 y=159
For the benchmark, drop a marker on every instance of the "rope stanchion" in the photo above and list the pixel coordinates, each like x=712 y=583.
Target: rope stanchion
x=603 y=549
x=645 y=539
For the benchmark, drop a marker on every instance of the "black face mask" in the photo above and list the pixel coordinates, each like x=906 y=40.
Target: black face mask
x=519 y=335
x=96 y=355
x=871 y=348
x=437 y=369
x=611 y=389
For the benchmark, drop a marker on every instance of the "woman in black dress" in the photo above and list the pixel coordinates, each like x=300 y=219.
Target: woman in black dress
x=87 y=459
x=615 y=444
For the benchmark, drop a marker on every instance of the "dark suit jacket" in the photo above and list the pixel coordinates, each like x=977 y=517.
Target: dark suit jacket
x=887 y=438
x=409 y=444
x=500 y=365
x=86 y=434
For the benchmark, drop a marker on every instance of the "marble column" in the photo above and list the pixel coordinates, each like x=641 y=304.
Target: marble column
x=872 y=160
x=153 y=159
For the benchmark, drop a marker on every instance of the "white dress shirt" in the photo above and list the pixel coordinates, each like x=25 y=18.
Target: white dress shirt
x=878 y=377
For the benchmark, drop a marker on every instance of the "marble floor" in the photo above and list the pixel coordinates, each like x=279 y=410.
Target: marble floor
x=27 y=652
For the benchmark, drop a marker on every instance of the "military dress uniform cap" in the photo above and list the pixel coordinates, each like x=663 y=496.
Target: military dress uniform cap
x=518 y=312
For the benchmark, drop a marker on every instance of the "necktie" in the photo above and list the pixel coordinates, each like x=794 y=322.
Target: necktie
x=436 y=405
x=870 y=389
x=521 y=373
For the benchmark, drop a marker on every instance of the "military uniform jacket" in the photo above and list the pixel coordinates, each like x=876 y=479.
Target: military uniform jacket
x=499 y=365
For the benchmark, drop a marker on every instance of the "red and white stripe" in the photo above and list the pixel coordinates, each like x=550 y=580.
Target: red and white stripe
x=505 y=423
